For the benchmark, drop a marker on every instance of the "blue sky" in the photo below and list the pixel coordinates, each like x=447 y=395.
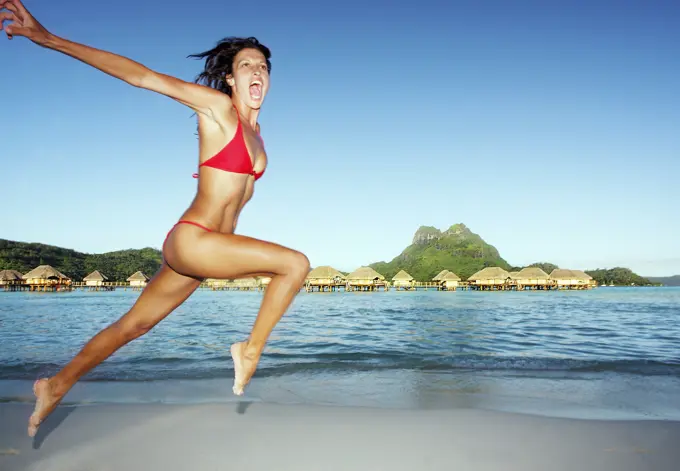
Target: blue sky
x=550 y=130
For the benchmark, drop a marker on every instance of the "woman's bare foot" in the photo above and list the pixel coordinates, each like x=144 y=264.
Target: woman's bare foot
x=245 y=363
x=46 y=402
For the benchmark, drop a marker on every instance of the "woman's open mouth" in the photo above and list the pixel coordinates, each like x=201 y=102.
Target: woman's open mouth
x=256 y=90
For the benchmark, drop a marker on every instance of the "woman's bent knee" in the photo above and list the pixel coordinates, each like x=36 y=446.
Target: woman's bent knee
x=299 y=265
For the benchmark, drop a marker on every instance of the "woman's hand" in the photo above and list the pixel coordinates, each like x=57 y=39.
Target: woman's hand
x=22 y=22
x=205 y=100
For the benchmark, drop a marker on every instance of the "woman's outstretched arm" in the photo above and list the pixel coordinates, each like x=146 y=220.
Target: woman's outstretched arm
x=201 y=99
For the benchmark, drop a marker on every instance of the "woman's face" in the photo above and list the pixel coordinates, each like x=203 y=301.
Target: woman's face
x=250 y=79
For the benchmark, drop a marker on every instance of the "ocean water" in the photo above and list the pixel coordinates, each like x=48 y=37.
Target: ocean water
x=608 y=352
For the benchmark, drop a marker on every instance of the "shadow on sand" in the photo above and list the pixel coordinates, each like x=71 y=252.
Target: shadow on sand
x=242 y=407
x=55 y=419
x=50 y=424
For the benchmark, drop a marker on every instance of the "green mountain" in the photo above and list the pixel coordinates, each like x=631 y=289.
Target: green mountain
x=463 y=252
x=665 y=280
x=117 y=266
x=457 y=249
x=618 y=276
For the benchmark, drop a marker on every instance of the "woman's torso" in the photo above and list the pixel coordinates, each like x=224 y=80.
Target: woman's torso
x=222 y=194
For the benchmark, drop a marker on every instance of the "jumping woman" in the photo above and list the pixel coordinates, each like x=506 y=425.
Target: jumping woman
x=227 y=98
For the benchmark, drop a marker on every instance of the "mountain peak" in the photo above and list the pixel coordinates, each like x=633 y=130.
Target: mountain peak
x=458 y=229
x=457 y=249
x=424 y=234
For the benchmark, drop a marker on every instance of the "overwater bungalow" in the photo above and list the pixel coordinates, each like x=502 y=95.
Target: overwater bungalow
x=490 y=278
x=238 y=284
x=138 y=280
x=96 y=278
x=215 y=284
x=532 y=278
x=571 y=279
x=263 y=281
x=450 y=281
x=46 y=278
x=365 y=279
x=403 y=280
x=11 y=280
x=324 y=278
x=585 y=278
x=245 y=284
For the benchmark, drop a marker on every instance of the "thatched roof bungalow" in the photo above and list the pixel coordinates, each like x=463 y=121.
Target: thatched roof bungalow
x=490 y=276
x=247 y=283
x=440 y=275
x=570 y=278
x=403 y=280
x=11 y=277
x=589 y=280
x=46 y=275
x=532 y=276
x=324 y=275
x=581 y=275
x=365 y=277
x=216 y=283
x=263 y=280
x=138 y=279
x=450 y=280
x=96 y=278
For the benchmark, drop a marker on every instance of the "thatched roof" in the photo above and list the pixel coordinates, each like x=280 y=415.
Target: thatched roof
x=561 y=274
x=581 y=275
x=95 y=276
x=514 y=275
x=532 y=273
x=45 y=272
x=138 y=276
x=440 y=275
x=365 y=273
x=490 y=273
x=564 y=274
x=324 y=272
x=10 y=275
x=450 y=276
x=402 y=276
x=214 y=280
x=245 y=282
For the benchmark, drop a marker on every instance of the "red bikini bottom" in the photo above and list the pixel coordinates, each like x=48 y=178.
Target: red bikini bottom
x=184 y=222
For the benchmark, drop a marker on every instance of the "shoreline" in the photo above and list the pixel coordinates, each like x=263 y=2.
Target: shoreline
x=612 y=397
x=259 y=436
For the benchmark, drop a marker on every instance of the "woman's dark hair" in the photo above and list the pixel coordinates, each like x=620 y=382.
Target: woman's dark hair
x=219 y=61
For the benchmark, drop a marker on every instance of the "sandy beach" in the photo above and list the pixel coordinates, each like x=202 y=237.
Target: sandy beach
x=261 y=436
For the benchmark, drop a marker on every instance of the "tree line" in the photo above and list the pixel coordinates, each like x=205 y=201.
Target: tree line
x=116 y=266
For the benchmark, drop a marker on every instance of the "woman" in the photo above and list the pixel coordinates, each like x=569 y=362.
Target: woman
x=202 y=244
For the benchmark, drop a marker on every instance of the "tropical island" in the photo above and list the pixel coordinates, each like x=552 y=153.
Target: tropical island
x=457 y=250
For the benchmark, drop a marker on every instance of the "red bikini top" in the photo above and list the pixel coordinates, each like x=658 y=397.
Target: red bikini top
x=234 y=157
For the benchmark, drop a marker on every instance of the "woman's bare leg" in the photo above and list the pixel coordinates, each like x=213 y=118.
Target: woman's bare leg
x=206 y=255
x=164 y=292
x=229 y=256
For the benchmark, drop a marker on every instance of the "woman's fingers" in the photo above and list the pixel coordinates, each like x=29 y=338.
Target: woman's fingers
x=6 y=16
